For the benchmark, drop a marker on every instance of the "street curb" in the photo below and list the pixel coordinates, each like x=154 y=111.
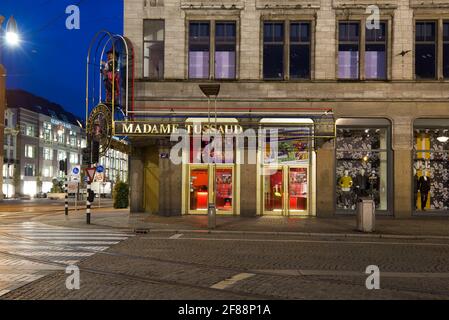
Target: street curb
x=307 y=234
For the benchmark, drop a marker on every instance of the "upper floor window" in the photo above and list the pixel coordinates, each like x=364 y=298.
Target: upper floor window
x=30 y=151
x=72 y=138
x=29 y=130
x=352 y=46
x=46 y=133
x=29 y=170
x=425 y=50
x=446 y=49
x=48 y=154
x=348 y=50
x=199 y=50
x=225 y=55
x=273 y=50
x=300 y=38
x=286 y=57
x=74 y=159
x=62 y=155
x=376 y=52
x=153 y=62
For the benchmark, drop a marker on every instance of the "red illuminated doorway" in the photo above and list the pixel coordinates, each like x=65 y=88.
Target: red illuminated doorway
x=201 y=187
x=286 y=190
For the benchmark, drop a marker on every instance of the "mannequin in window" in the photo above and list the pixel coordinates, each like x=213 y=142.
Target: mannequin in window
x=361 y=183
x=424 y=188
x=346 y=184
x=415 y=188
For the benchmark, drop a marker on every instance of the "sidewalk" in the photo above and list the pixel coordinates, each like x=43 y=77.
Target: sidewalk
x=417 y=227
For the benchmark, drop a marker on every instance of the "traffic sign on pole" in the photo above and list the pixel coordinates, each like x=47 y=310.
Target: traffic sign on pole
x=90 y=173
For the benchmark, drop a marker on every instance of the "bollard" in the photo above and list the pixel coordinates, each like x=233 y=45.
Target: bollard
x=211 y=214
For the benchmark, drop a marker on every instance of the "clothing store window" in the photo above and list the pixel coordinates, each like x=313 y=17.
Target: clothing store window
x=199 y=48
x=361 y=167
x=153 y=62
x=431 y=165
x=425 y=50
x=225 y=50
x=348 y=50
x=273 y=50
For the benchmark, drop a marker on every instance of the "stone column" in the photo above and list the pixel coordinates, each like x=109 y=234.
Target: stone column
x=170 y=186
x=2 y=119
x=248 y=190
x=325 y=180
x=136 y=183
x=403 y=166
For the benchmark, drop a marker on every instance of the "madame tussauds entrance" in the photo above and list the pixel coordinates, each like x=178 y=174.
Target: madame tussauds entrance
x=286 y=190
x=286 y=174
x=201 y=186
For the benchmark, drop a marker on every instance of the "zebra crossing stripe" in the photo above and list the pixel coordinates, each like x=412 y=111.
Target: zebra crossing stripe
x=36 y=241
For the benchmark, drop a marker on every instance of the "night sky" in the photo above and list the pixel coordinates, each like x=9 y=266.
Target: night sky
x=51 y=60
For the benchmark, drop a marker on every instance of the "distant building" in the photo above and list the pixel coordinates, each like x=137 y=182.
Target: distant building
x=38 y=134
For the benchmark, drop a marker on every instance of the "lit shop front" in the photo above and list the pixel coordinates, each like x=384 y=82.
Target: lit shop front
x=244 y=167
x=431 y=166
x=363 y=164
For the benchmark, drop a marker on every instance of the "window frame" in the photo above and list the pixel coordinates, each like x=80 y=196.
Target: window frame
x=144 y=42
x=235 y=42
x=437 y=42
x=387 y=18
x=212 y=20
x=288 y=20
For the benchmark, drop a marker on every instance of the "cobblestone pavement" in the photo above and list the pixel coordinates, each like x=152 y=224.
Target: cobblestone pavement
x=30 y=250
x=193 y=265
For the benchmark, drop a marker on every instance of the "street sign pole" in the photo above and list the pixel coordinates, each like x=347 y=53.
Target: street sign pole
x=66 y=205
x=88 y=204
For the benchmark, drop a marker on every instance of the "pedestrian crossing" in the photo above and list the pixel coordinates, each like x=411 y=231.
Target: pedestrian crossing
x=32 y=250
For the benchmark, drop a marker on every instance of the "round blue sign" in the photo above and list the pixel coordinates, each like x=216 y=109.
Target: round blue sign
x=100 y=169
x=76 y=170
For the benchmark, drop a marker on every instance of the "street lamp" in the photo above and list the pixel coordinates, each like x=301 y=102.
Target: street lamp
x=12 y=39
x=11 y=35
x=211 y=90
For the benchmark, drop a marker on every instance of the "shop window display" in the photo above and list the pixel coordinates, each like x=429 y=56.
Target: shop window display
x=431 y=170
x=361 y=168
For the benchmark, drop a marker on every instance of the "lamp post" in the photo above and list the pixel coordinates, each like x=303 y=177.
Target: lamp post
x=211 y=90
x=11 y=37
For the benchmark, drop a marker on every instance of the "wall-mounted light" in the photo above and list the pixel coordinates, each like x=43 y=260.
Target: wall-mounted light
x=443 y=138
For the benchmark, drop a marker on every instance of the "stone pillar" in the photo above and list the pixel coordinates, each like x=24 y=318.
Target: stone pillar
x=403 y=166
x=248 y=190
x=170 y=186
x=136 y=183
x=2 y=119
x=325 y=180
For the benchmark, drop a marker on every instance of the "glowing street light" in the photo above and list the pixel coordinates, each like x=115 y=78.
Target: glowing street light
x=12 y=37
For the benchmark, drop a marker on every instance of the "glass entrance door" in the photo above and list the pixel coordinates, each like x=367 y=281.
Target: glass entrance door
x=298 y=190
x=286 y=190
x=202 y=186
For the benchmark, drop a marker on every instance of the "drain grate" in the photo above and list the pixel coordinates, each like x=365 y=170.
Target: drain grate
x=141 y=231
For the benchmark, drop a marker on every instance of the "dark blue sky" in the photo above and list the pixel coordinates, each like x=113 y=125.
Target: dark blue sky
x=51 y=60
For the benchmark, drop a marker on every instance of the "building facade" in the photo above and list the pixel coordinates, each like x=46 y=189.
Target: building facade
x=383 y=79
x=34 y=144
